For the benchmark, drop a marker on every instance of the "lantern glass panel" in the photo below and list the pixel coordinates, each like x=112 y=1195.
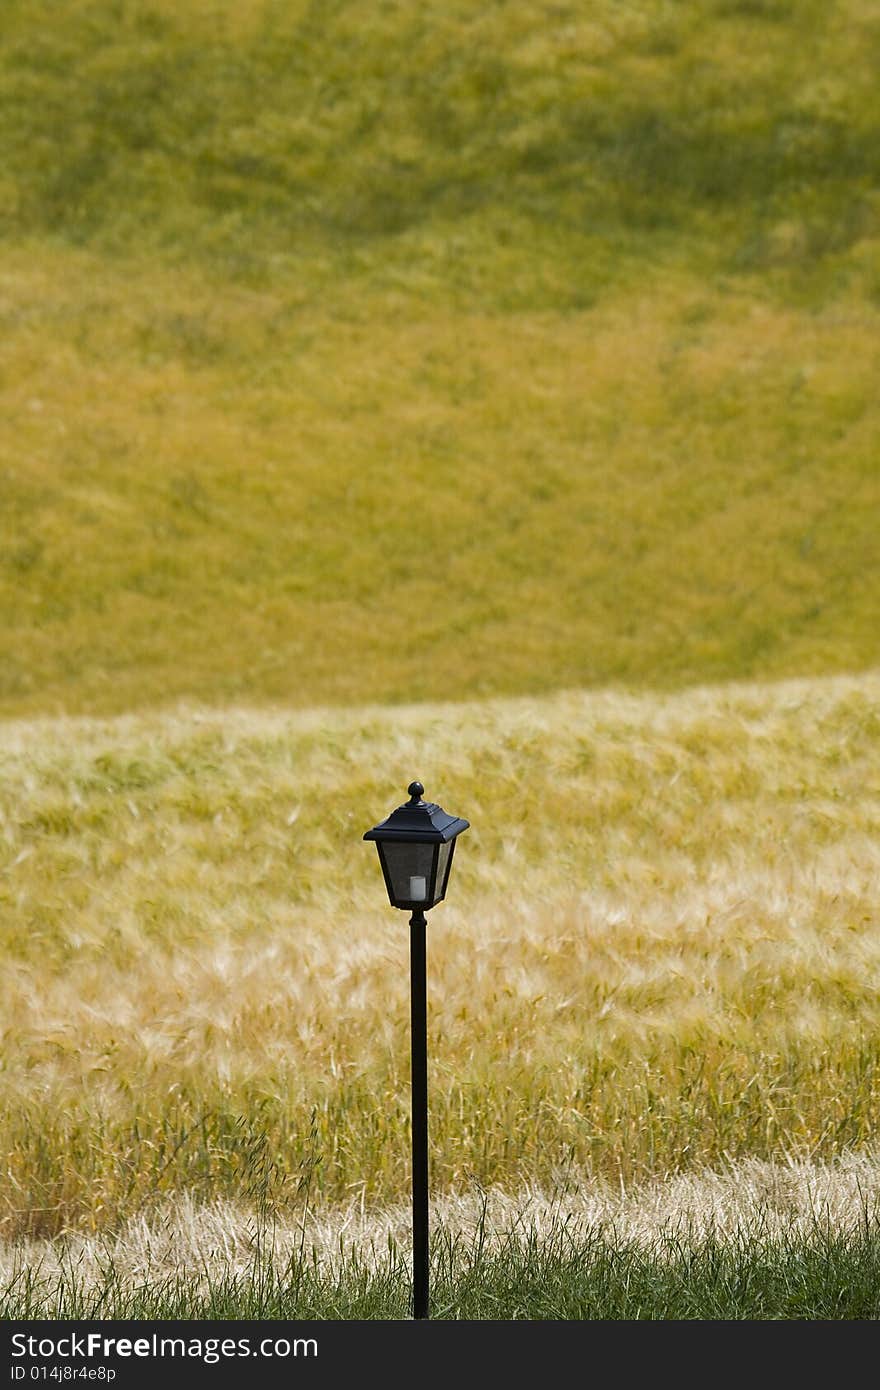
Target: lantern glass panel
x=444 y=859
x=410 y=871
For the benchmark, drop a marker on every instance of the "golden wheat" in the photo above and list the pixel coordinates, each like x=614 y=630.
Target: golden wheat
x=659 y=947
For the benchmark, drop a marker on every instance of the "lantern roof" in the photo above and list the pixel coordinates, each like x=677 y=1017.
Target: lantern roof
x=418 y=820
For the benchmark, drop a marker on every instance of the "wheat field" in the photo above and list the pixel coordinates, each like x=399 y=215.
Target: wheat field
x=658 y=955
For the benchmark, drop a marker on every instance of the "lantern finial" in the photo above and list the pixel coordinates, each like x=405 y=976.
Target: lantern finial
x=416 y=791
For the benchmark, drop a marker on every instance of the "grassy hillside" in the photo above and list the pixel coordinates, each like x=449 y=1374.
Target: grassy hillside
x=432 y=351
x=659 y=952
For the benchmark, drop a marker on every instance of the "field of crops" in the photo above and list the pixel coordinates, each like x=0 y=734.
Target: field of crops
x=484 y=395
x=659 y=953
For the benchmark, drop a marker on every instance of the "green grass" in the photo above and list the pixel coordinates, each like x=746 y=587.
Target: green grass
x=235 y=132
x=438 y=351
x=830 y=1276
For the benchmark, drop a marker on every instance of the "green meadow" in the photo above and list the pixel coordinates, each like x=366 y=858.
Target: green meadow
x=441 y=352
x=479 y=393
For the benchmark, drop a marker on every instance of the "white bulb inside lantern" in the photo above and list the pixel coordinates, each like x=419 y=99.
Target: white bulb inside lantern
x=418 y=888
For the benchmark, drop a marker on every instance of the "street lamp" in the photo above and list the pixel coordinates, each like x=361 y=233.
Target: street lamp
x=416 y=843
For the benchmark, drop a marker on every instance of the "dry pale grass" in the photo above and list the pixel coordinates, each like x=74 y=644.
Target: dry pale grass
x=204 y=1245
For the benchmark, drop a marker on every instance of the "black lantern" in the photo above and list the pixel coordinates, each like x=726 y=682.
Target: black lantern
x=416 y=844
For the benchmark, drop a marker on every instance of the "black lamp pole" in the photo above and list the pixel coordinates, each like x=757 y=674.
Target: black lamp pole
x=416 y=843
x=419 y=1072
